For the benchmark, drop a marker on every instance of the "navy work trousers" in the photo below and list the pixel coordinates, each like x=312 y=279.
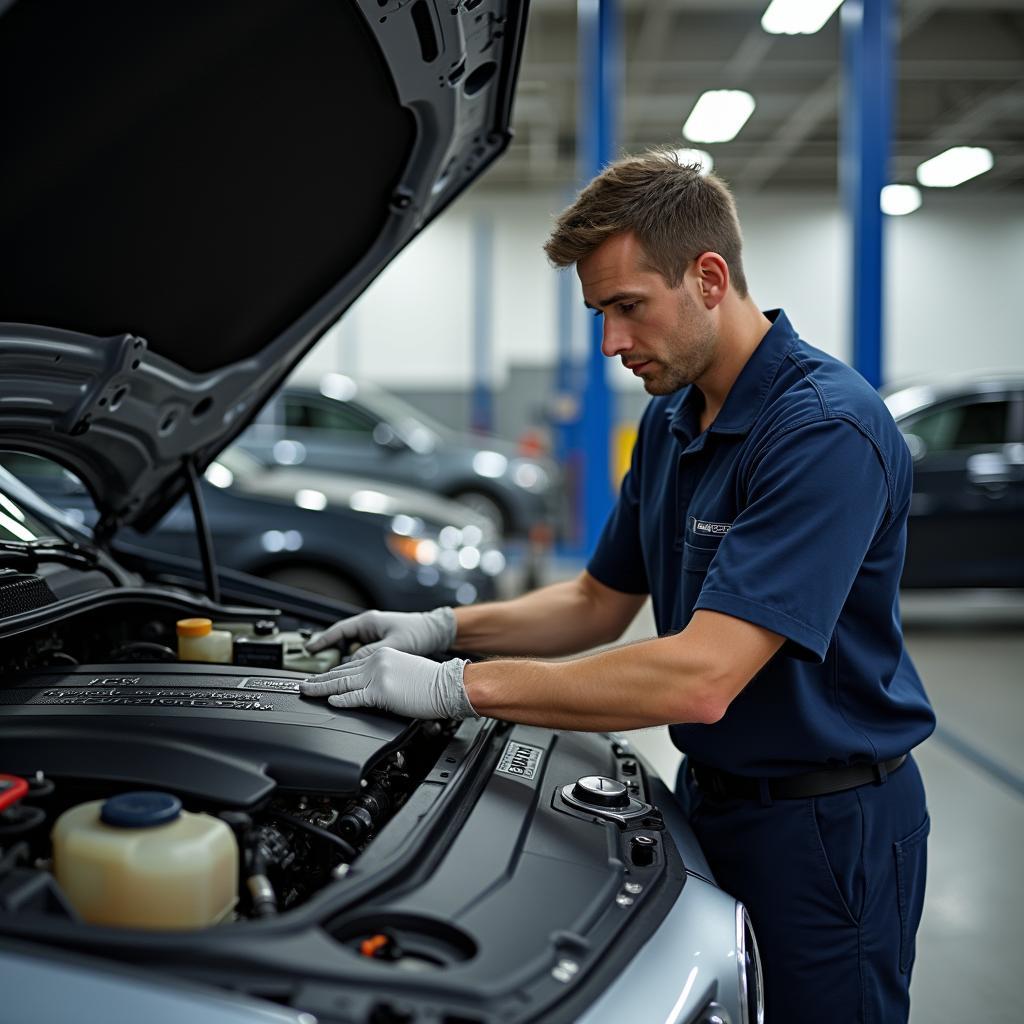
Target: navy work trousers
x=834 y=885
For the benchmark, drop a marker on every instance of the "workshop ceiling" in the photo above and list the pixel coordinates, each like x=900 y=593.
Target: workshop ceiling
x=960 y=69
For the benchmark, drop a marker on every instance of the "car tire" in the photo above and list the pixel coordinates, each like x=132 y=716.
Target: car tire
x=487 y=506
x=318 y=581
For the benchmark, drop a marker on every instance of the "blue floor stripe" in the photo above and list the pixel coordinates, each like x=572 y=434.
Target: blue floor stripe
x=970 y=752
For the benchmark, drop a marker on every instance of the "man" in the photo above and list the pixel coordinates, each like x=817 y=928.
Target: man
x=765 y=513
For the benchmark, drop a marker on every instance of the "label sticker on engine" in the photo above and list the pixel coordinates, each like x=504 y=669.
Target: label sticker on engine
x=281 y=685
x=520 y=760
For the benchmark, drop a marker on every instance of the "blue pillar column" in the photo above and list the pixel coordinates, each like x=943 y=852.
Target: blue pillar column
x=599 y=58
x=482 y=402
x=868 y=35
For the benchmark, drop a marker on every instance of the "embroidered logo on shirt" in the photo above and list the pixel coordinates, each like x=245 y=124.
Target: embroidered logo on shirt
x=705 y=528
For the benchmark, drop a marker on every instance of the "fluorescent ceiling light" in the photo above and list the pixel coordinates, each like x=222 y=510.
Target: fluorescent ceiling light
x=897 y=200
x=718 y=115
x=696 y=156
x=955 y=166
x=797 y=17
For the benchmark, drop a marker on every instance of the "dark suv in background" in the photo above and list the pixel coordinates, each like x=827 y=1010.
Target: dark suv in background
x=966 y=526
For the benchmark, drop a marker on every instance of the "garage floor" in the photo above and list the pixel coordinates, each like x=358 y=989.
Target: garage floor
x=969 y=649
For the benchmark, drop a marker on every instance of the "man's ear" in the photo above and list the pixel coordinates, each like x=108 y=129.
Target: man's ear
x=712 y=278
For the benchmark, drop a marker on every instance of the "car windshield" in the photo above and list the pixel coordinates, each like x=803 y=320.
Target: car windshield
x=420 y=431
x=18 y=524
x=233 y=466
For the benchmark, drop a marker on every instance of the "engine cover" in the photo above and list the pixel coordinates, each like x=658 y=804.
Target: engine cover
x=227 y=734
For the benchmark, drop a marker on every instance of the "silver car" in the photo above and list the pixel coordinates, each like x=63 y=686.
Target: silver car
x=359 y=428
x=191 y=196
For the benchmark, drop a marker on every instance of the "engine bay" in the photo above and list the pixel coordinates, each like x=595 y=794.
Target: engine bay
x=99 y=712
x=204 y=820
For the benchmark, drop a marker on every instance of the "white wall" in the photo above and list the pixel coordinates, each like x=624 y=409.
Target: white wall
x=954 y=271
x=955 y=279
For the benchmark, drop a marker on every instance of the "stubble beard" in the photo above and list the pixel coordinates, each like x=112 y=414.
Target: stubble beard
x=690 y=351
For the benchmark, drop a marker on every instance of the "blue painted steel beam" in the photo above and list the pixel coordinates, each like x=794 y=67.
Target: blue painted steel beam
x=868 y=35
x=482 y=402
x=600 y=59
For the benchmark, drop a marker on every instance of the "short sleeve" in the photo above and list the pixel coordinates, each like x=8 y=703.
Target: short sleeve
x=618 y=559
x=816 y=498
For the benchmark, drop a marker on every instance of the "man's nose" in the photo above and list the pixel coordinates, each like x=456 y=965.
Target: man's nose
x=614 y=339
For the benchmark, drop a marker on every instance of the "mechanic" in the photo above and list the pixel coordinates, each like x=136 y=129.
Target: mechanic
x=765 y=514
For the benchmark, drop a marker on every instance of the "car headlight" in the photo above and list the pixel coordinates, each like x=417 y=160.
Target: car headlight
x=489 y=464
x=492 y=562
x=418 y=550
x=452 y=550
x=531 y=477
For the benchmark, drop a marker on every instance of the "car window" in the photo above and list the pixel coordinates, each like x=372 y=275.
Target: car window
x=19 y=471
x=333 y=416
x=971 y=425
x=22 y=465
x=16 y=523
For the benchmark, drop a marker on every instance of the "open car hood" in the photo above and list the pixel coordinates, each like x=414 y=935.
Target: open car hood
x=191 y=194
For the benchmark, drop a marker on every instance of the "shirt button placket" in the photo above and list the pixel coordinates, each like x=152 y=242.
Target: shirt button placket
x=684 y=492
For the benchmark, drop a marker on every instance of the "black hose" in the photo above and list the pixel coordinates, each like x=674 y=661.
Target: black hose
x=261 y=889
x=348 y=850
x=143 y=650
x=203 y=534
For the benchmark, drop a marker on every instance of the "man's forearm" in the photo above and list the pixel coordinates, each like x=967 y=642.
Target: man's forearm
x=560 y=619
x=690 y=677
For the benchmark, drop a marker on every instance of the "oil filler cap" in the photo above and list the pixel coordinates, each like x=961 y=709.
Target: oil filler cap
x=600 y=791
x=142 y=809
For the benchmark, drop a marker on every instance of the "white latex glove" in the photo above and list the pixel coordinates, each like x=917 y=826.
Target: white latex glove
x=412 y=632
x=394 y=681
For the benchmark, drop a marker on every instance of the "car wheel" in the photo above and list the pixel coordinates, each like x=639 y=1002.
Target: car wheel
x=318 y=581
x=484 y=505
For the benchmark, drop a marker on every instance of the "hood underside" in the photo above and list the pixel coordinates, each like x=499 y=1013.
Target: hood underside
x=192 y=193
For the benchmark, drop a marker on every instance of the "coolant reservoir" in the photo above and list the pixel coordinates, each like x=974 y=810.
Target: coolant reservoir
x=296 y=658
x=139 y=861
x=199 y=641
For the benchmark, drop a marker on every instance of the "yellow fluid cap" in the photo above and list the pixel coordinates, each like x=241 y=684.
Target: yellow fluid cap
x=194 y=627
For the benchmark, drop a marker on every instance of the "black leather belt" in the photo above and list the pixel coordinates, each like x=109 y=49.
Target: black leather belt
x=723 y=786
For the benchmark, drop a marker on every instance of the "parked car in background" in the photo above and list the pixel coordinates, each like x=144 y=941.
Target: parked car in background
x=358 y=427
x=362 y=542
x=966 y=526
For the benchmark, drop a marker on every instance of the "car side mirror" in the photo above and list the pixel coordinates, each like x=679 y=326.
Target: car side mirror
x=918 y=449
x=385 y=436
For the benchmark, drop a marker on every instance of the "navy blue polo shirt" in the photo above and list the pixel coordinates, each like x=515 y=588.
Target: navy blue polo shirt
x=790 y=512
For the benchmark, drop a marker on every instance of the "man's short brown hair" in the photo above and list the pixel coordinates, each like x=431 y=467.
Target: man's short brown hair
x=675 y=212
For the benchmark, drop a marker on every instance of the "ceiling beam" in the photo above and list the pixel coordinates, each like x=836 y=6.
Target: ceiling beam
x=965 y=123
x=640 y=72
x=810 y=113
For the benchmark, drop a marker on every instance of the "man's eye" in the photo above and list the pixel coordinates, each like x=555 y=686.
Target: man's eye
x=627 y=307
